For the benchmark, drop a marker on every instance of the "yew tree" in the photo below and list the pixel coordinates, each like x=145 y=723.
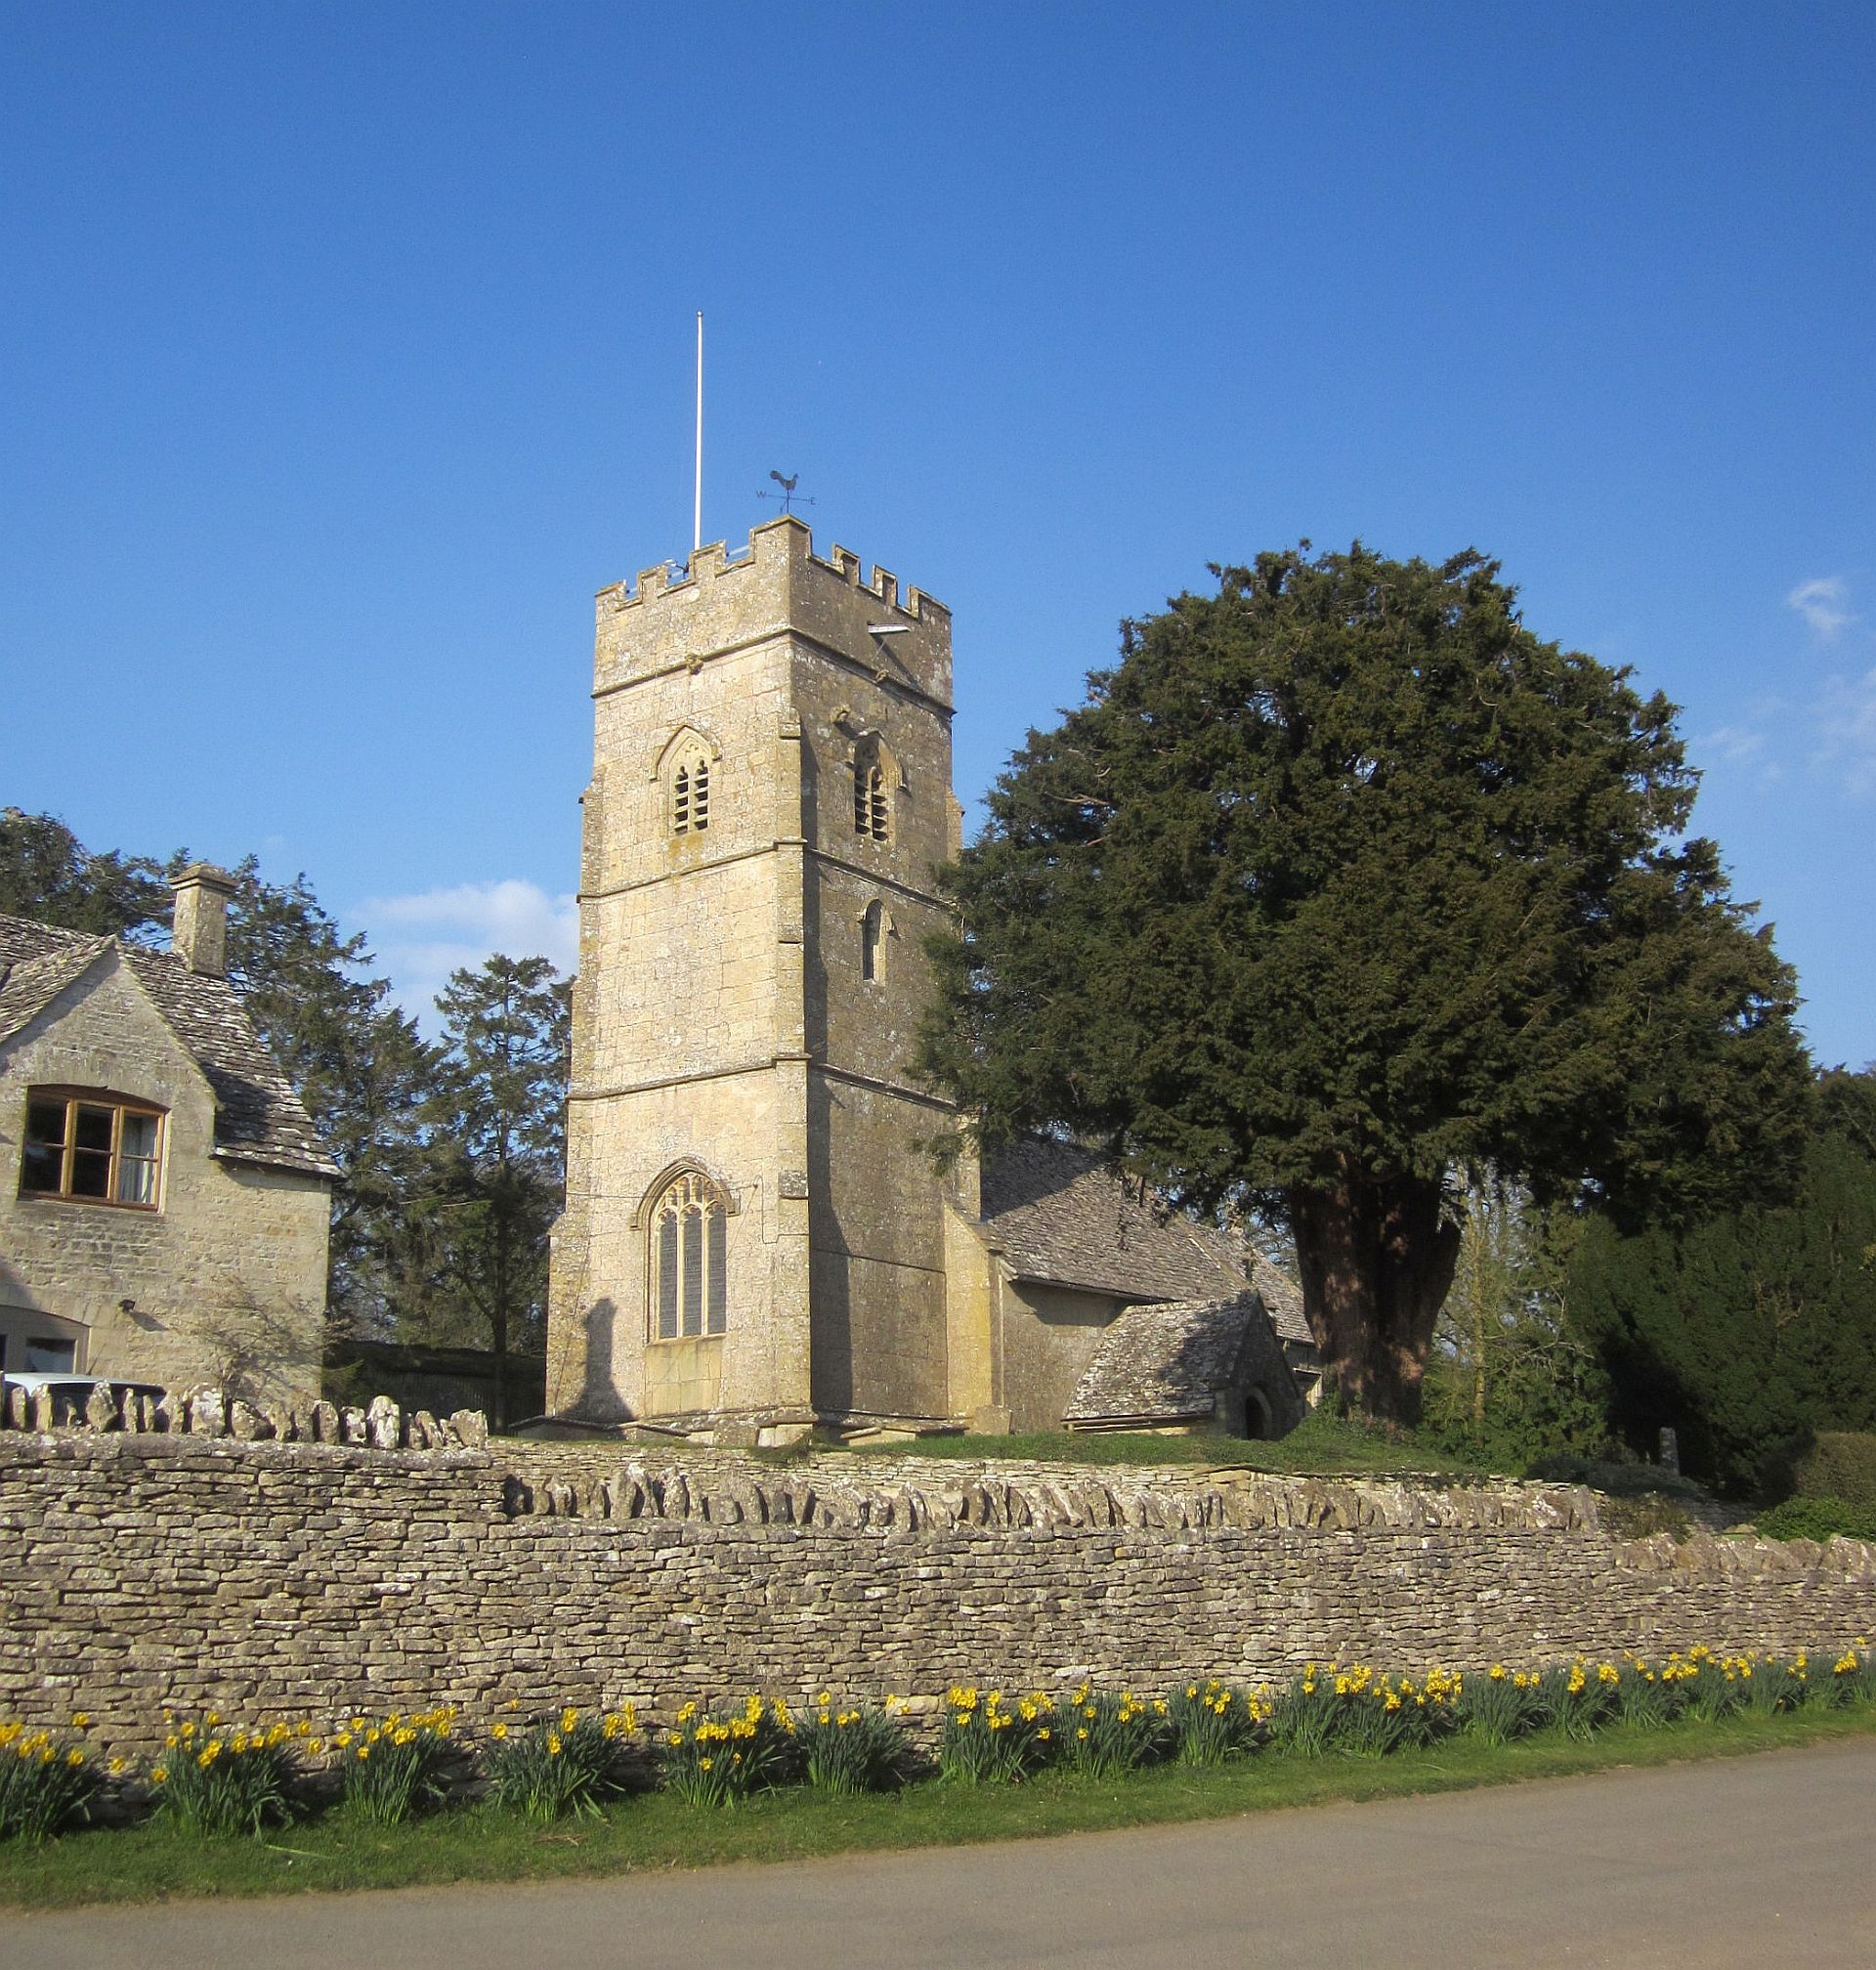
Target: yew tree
x=1342 y=882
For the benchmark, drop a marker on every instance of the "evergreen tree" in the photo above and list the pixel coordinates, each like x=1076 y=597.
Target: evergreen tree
x=1759 y=1325
x=499 y=1120
x=1510 y=1379
x=366 y=1076
x=46 y=874
x=1344 y=880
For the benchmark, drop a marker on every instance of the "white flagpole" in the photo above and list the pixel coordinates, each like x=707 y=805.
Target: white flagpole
x=696 y=508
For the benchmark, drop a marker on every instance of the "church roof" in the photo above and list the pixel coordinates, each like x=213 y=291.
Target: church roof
x=1165 y=1363
x=258 y=1117
x=1063 y=1217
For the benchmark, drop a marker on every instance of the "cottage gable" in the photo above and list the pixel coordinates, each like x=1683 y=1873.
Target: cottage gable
x=164 y=1197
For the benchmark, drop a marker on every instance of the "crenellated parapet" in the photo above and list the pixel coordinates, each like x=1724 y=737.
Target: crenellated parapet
x=677 y=615
x=784 y=542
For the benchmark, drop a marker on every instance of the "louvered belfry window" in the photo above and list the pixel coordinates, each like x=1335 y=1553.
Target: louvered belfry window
x=872 y=793
x=688 y=1259
x=690 y=795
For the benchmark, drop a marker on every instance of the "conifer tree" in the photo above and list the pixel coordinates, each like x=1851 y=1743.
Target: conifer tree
x=1756 y=1326
x=1343 y=880
x=499 y=1118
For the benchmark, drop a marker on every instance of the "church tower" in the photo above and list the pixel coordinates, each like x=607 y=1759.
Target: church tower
x=754 y=1233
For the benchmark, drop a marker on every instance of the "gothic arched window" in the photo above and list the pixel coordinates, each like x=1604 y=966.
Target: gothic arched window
x=688 y=1254
x=874 y=777
x=690 y=793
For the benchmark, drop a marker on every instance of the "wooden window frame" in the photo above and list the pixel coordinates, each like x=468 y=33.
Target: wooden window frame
x=72 y=1100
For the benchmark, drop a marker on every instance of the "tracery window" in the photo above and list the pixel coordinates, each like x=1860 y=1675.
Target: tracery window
x=689 y=1253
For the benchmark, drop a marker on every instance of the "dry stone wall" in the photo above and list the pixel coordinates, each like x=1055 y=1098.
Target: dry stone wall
x=312 y=1579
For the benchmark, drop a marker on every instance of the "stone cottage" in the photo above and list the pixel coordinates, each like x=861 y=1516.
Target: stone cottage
x=164 y=1197
x=756 y=1237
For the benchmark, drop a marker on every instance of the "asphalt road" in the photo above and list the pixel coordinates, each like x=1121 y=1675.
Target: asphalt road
x=1765 y=1860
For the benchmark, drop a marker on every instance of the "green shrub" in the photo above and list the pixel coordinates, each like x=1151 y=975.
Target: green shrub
x=1103 y=1735
x=714 y=1759
x=847 y=1749
x=1643 y=1516
x=1616 y=1477
x=47 y=1783
x=220 y=1778
x=1838 y=1464
x=1818 y=1519
x=393 y=1767
x=561 y=1764
x=985 y=1741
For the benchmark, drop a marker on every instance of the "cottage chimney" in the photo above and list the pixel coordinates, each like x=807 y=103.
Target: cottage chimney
x=198 y=927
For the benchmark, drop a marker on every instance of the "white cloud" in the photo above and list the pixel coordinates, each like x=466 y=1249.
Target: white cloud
x=418 y=940
x=1732 y=745
x=1821 y=603
x=1750 y=750
x=1847 y=713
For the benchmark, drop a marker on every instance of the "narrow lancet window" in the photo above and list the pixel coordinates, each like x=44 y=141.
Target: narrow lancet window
x=875 y=927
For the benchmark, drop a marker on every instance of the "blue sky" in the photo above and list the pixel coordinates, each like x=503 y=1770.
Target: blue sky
x=345 y=351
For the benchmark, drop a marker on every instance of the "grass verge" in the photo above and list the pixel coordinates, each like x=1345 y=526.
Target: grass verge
x=153 y=1861
x=1321 y=1444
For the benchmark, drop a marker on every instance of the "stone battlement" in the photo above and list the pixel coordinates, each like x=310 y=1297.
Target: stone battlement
x=777 y=545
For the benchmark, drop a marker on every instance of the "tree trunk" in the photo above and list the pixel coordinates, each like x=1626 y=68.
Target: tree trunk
x=1377 y=1258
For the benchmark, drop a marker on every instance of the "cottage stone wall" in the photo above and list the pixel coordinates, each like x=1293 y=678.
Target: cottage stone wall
x=236 y=1252
x=310 y=1579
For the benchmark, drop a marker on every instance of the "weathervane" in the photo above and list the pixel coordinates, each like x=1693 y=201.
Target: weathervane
x=786 y=494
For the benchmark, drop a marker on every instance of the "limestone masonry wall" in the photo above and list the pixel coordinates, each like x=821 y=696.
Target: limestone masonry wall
x=314 y=1578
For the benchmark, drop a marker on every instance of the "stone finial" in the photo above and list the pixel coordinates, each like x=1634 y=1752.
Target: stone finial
x=199 y=923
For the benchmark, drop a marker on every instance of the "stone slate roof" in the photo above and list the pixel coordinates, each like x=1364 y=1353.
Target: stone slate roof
x=30 y=984
x=1063 y=1217
x=258 y=1117
x=1165 y=1363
